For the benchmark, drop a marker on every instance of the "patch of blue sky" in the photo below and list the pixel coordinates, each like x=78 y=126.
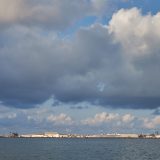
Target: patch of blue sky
x=105 y=19
x=146 y=6
x=84 y=22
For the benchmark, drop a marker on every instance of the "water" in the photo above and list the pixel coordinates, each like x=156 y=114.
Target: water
x=79 y=149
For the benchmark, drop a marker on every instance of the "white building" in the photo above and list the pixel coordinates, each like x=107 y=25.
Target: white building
x=51 y=134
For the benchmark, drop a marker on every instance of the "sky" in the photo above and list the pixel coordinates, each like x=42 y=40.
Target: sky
x=79 y=66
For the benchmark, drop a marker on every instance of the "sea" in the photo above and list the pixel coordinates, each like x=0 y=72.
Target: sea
x=79 y=149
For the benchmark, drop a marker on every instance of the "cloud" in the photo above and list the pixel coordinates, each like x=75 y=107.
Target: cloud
x=139 y=29
x=100 y=118
x=128 y=118
x=45 y=118
x=6 y=113
x=113 y=118
x=52 y=14
x=111 y=65
x=34 y=67
x=101 y=86
x=61 y=119
x=151 y=123
x=38 y=119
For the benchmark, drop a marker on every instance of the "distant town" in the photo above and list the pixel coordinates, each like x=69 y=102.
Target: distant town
x=58 y=135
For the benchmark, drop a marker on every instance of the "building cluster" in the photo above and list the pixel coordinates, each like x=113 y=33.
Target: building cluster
x=58 y=135
x=148 y=136
x=51 y=135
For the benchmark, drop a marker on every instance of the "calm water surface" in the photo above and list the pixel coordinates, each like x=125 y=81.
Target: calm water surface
x=79 y=149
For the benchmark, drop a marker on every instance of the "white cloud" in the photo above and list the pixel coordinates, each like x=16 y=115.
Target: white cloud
x=139 y=34
x=151 y=123
x=44 y=117
x=60 y=119
x=128 y=118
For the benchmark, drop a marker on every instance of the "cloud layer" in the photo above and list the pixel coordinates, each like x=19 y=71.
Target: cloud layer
x=45 y=118
x=115 y=64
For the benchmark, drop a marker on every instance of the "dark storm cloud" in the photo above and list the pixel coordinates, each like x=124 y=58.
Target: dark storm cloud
x=108 y=65
x=36 y=67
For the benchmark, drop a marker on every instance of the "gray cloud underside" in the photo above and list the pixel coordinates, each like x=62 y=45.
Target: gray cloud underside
x=114 y=65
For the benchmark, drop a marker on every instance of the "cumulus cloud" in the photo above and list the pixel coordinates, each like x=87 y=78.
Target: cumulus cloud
x=127 y=118
x=41 y=118
x=139 y=36
x=136 y=31
x=151 y=123
x=113 y=118
x=45 y=118
x=60 y=119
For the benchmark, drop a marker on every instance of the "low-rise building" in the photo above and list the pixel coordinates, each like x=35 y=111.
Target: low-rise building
x=51 y=134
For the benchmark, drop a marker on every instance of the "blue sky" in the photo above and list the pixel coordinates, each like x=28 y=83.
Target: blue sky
x=146 y=6
x=73 y=66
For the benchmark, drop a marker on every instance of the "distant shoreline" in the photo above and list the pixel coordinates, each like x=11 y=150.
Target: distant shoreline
x=74 y=138
x=81 y=136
